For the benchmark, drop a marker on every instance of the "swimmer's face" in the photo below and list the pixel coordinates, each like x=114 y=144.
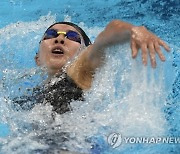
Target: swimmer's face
x=54 y=53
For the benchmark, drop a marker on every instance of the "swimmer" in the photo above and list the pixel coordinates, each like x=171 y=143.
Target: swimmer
x=61 y=42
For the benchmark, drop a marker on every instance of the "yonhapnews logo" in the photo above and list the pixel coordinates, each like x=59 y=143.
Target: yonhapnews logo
x=116 y=139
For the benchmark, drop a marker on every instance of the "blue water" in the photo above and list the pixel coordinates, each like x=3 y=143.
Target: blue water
x=125 y=97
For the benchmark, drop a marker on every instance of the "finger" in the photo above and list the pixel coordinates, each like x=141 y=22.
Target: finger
x=144 y=53
x=162 y=43
x=152 y=54
x=134 y=48
x=159 y=52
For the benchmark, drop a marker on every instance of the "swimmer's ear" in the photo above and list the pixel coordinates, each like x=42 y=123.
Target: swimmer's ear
x=37 y=60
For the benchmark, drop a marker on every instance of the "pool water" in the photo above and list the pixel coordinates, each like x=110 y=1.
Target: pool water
x=126 y=97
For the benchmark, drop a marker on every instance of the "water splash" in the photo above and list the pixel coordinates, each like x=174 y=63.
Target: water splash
x=125 y=97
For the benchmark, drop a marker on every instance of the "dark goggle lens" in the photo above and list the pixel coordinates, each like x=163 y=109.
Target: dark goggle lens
x=71 y=35
x=74 y=36
x=50 y=33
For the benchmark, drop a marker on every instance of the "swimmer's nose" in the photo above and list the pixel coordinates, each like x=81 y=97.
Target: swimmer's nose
x=59 y=39
x=56 y=41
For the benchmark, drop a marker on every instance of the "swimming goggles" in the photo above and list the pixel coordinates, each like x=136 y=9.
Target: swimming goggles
x=71 y=35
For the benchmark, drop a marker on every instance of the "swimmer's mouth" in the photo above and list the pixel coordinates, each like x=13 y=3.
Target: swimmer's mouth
x=58 y=51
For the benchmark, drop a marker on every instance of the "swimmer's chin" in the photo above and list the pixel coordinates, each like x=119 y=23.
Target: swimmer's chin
x=51 y=70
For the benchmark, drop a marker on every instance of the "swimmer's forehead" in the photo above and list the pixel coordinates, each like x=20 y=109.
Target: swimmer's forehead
x=63 y=27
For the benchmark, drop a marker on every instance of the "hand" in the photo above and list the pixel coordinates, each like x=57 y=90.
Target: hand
x=149 y=43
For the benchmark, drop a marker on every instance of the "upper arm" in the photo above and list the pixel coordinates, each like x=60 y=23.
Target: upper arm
x=81 y=70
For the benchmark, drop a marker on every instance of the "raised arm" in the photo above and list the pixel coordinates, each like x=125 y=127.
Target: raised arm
x=116 y=32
